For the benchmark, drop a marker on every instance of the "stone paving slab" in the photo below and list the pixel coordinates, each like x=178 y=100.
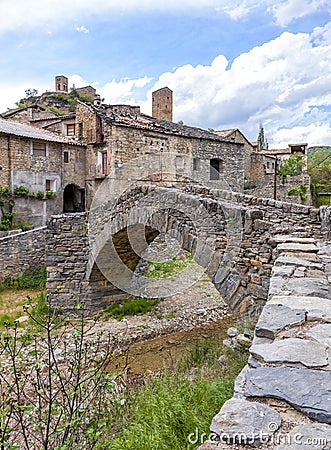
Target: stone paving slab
x=316 y=308
x=321 y=332
x=297 y=247
x=292 y=350
x=307 y=436
x=290 y=238
x=285 y=259
x=309 y=391
x=245 y=422
x=317 y=287
x=275 y=318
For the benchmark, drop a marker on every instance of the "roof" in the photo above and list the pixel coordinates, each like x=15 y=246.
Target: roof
x=148 y=123
x=18 y=129
x=276 y=151
x=225 y=133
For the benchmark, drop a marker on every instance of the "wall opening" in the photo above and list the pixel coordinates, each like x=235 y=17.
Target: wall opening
x=73 y=199
x=216 y=167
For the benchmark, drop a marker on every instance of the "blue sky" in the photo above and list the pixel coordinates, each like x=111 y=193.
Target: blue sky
x=230 y=64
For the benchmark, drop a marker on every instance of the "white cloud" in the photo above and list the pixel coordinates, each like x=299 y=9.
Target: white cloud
x=26 y=14
x=122 y=91
x=284 y=83
x=288 y=10
x=82 y=29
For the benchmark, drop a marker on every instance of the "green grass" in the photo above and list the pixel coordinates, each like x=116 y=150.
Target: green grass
x=169 y=268
x=131 y=307
x=35 y=279
x=169 y=407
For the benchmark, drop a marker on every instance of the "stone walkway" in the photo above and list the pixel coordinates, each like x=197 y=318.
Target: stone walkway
x=282 y=397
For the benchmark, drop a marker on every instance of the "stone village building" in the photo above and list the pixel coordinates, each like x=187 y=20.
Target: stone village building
x=85 y=147
x=41 y=161
x=95 y=140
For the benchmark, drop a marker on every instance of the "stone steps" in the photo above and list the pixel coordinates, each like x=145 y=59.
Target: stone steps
x=290 y=359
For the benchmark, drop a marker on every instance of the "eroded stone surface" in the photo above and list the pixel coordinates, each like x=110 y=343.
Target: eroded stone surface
x=322 y=333
x=244 y=422
x=293 y=350
x=297 y=247
x=292 y=260
x=277 y=317
x=317 y=308
x=309 y=391
x=318 y=287
x=307 y=436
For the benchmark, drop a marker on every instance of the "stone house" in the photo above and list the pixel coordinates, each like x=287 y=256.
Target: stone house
x=265 y=182
x=41 y=161
x=116 y=134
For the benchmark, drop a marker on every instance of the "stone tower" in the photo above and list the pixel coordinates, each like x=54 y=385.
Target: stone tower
x=61 y=83
x=162 y=104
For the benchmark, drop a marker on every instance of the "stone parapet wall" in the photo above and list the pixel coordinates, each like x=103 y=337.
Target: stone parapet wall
x=244 y=242
x=282 y=397
x=22 y=251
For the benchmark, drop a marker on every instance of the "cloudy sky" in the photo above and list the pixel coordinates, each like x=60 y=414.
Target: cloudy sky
x=230 y=63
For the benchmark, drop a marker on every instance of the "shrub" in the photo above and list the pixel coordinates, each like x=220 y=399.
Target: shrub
x=50 y=194
x=40 y=195
x=21 y=191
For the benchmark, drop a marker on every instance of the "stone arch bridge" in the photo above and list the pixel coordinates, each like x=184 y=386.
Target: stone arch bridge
x=91 y=257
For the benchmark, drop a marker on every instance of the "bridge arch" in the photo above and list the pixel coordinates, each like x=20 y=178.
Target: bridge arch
x=235 y=248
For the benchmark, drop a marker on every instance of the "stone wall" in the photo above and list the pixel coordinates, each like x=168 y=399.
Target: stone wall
x=21 y=251
x=282 y=397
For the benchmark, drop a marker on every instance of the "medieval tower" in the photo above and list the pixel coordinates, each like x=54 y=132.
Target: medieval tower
x=162 y=104
x=61 y=83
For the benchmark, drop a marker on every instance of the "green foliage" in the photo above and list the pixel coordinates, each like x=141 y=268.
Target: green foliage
x=261 y=140
x=249 y=185
x=6 y=208
x=169 y=407
x=301 y=191
x=21 y=191
x=169 y=268
x=86 y=98
x=319 y=169
x=35 y=279
x=132 y=307
x=5 y=191
x=40 y=195
x=291 y=166
x=50 y=194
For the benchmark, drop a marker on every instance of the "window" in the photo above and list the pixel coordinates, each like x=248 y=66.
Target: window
x=216 y=167
x=195 y=163
x=50 y=185
x=71 y=129
x=179 y=163
x=66 y=157
x=39 y=148
x=80 y=130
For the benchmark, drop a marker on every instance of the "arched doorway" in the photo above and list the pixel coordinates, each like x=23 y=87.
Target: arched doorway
x=73 y=198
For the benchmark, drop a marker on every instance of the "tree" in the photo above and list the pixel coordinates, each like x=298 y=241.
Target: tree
x=31 y=92
x=262 y=143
